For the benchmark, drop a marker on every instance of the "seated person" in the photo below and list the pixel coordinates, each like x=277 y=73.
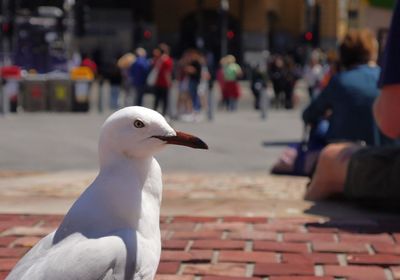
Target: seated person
x=367 y=173
x=350 y=94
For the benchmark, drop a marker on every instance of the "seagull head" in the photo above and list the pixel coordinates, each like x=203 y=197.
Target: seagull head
x=139 y=132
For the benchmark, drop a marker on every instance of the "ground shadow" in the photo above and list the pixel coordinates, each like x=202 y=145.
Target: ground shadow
x=356 y=217
x=278 y=143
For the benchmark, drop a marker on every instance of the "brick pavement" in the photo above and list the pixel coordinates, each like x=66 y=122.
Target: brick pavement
x=223 y=248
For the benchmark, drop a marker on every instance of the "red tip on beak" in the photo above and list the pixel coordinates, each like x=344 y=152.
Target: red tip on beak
x=184 y=139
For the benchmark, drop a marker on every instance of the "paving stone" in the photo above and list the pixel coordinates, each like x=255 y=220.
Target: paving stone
x=306 y=237
x=300 y=278
x=191 y=256
x=219 y=269
x=26 y=241
x=229 y=278
x=364 y=259
x=355 y=272
x=30 y=231
x=253 y=235
x=395 y=272
x=367 y=238
x=178 y=226
x=7 y=240
x=168 y=267
x=243 y=257
x=219 y=244
x=12 y=252
x=180 y=219
x=268 y=269
x=253 y=220
x=314 y=258
x=226 y=226
x=174 y=244
x=387 y=248
x=280 y=247
x=8 y=264
x=341 y=247
x=173 y=277
x=196 y=235
x=279 y=227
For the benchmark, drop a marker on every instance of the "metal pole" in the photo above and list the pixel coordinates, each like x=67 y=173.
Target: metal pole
x=224 y=26
x=69 y=34
x=264 y=103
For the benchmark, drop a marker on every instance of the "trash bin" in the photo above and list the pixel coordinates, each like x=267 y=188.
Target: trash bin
x=10 y=80
x=82 y=80
x=34 y=92
x=59 y=92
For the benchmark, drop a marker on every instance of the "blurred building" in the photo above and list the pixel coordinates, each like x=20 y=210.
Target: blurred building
x=108 y=28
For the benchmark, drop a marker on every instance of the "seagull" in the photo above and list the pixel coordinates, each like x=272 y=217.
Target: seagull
x=112 y=230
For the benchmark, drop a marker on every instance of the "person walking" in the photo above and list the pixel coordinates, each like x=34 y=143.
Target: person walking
x=232 y=72
x=138 y=74
x=163 y=64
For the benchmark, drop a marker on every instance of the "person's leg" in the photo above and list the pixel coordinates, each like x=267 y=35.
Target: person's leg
x=331 y=171
x=164 y=97
x=139 y=95
x=157 y=96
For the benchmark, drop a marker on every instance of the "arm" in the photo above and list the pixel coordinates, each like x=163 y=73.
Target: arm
x=319 y=106
x=387 y=111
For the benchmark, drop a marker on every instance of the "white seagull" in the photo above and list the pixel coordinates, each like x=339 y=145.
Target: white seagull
x=112 y=231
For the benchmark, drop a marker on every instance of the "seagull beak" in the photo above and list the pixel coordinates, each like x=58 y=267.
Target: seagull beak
x=184 y=139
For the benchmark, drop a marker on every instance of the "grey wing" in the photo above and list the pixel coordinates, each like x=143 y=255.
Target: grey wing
x=76 y=257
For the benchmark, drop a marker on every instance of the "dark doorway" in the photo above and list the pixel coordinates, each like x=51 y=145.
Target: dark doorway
x=211 y=33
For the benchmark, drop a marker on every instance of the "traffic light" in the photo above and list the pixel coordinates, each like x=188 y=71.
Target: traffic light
x=308 y=36
x=230 y=34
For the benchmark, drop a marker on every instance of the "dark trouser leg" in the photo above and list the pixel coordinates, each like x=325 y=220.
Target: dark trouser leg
x=139 y=95
x=157 y=96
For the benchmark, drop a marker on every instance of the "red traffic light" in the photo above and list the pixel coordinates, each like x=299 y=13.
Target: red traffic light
x=308 y=36
x=147 y=34
x=230 y=34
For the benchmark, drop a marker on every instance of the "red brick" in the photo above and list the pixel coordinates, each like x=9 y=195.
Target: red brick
x=173 y=277
x=8 y=264
x=6 y=241
x=12 y=252
x=219 y=269
x=178 y=226
x=296 y=220
x=229 y=278
x=27 y=241
x=219 y=244
x=163 y=219
x=280 y=247
x=306 y=237
x=191 y=256
x=355 y=272
x=384 y=248
x=321 y=229
x=253 y=235
x=185 y=219
x=243 y=257
x=341 y=247
x=253 y=220
x=196 y=235
x=300 y=278
x=366 y=238
x=3 y=274
x=384 y=260
x=31 y=231
x=313 y=258
x=396 y=272
x=174 y=244
x=279 y=227
x=268 y=269
x=168 y=267
x=396 y=237
x=234 y=226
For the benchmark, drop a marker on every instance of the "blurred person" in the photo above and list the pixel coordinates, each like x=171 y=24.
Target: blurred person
x=184 y=103
x=124 y=63
x=232 y=72
x=276 y=69
x=348 y=168
x=221 y=82
x=313 y=73
x=290 y=77
x=349 y=96
x=193 y=71
x=164 y=63
x=331 y=68
x=138 y=72
x=90 y=63
x=113 y=74
x=258 y=83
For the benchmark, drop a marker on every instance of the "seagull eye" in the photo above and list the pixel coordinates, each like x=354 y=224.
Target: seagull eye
x=138 y=124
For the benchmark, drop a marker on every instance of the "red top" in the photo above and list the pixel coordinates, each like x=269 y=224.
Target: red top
x=91 y=64
x=165 y=71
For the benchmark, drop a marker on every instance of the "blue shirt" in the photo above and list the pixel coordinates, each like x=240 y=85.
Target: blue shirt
x=138 y=71
x=350 y=95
